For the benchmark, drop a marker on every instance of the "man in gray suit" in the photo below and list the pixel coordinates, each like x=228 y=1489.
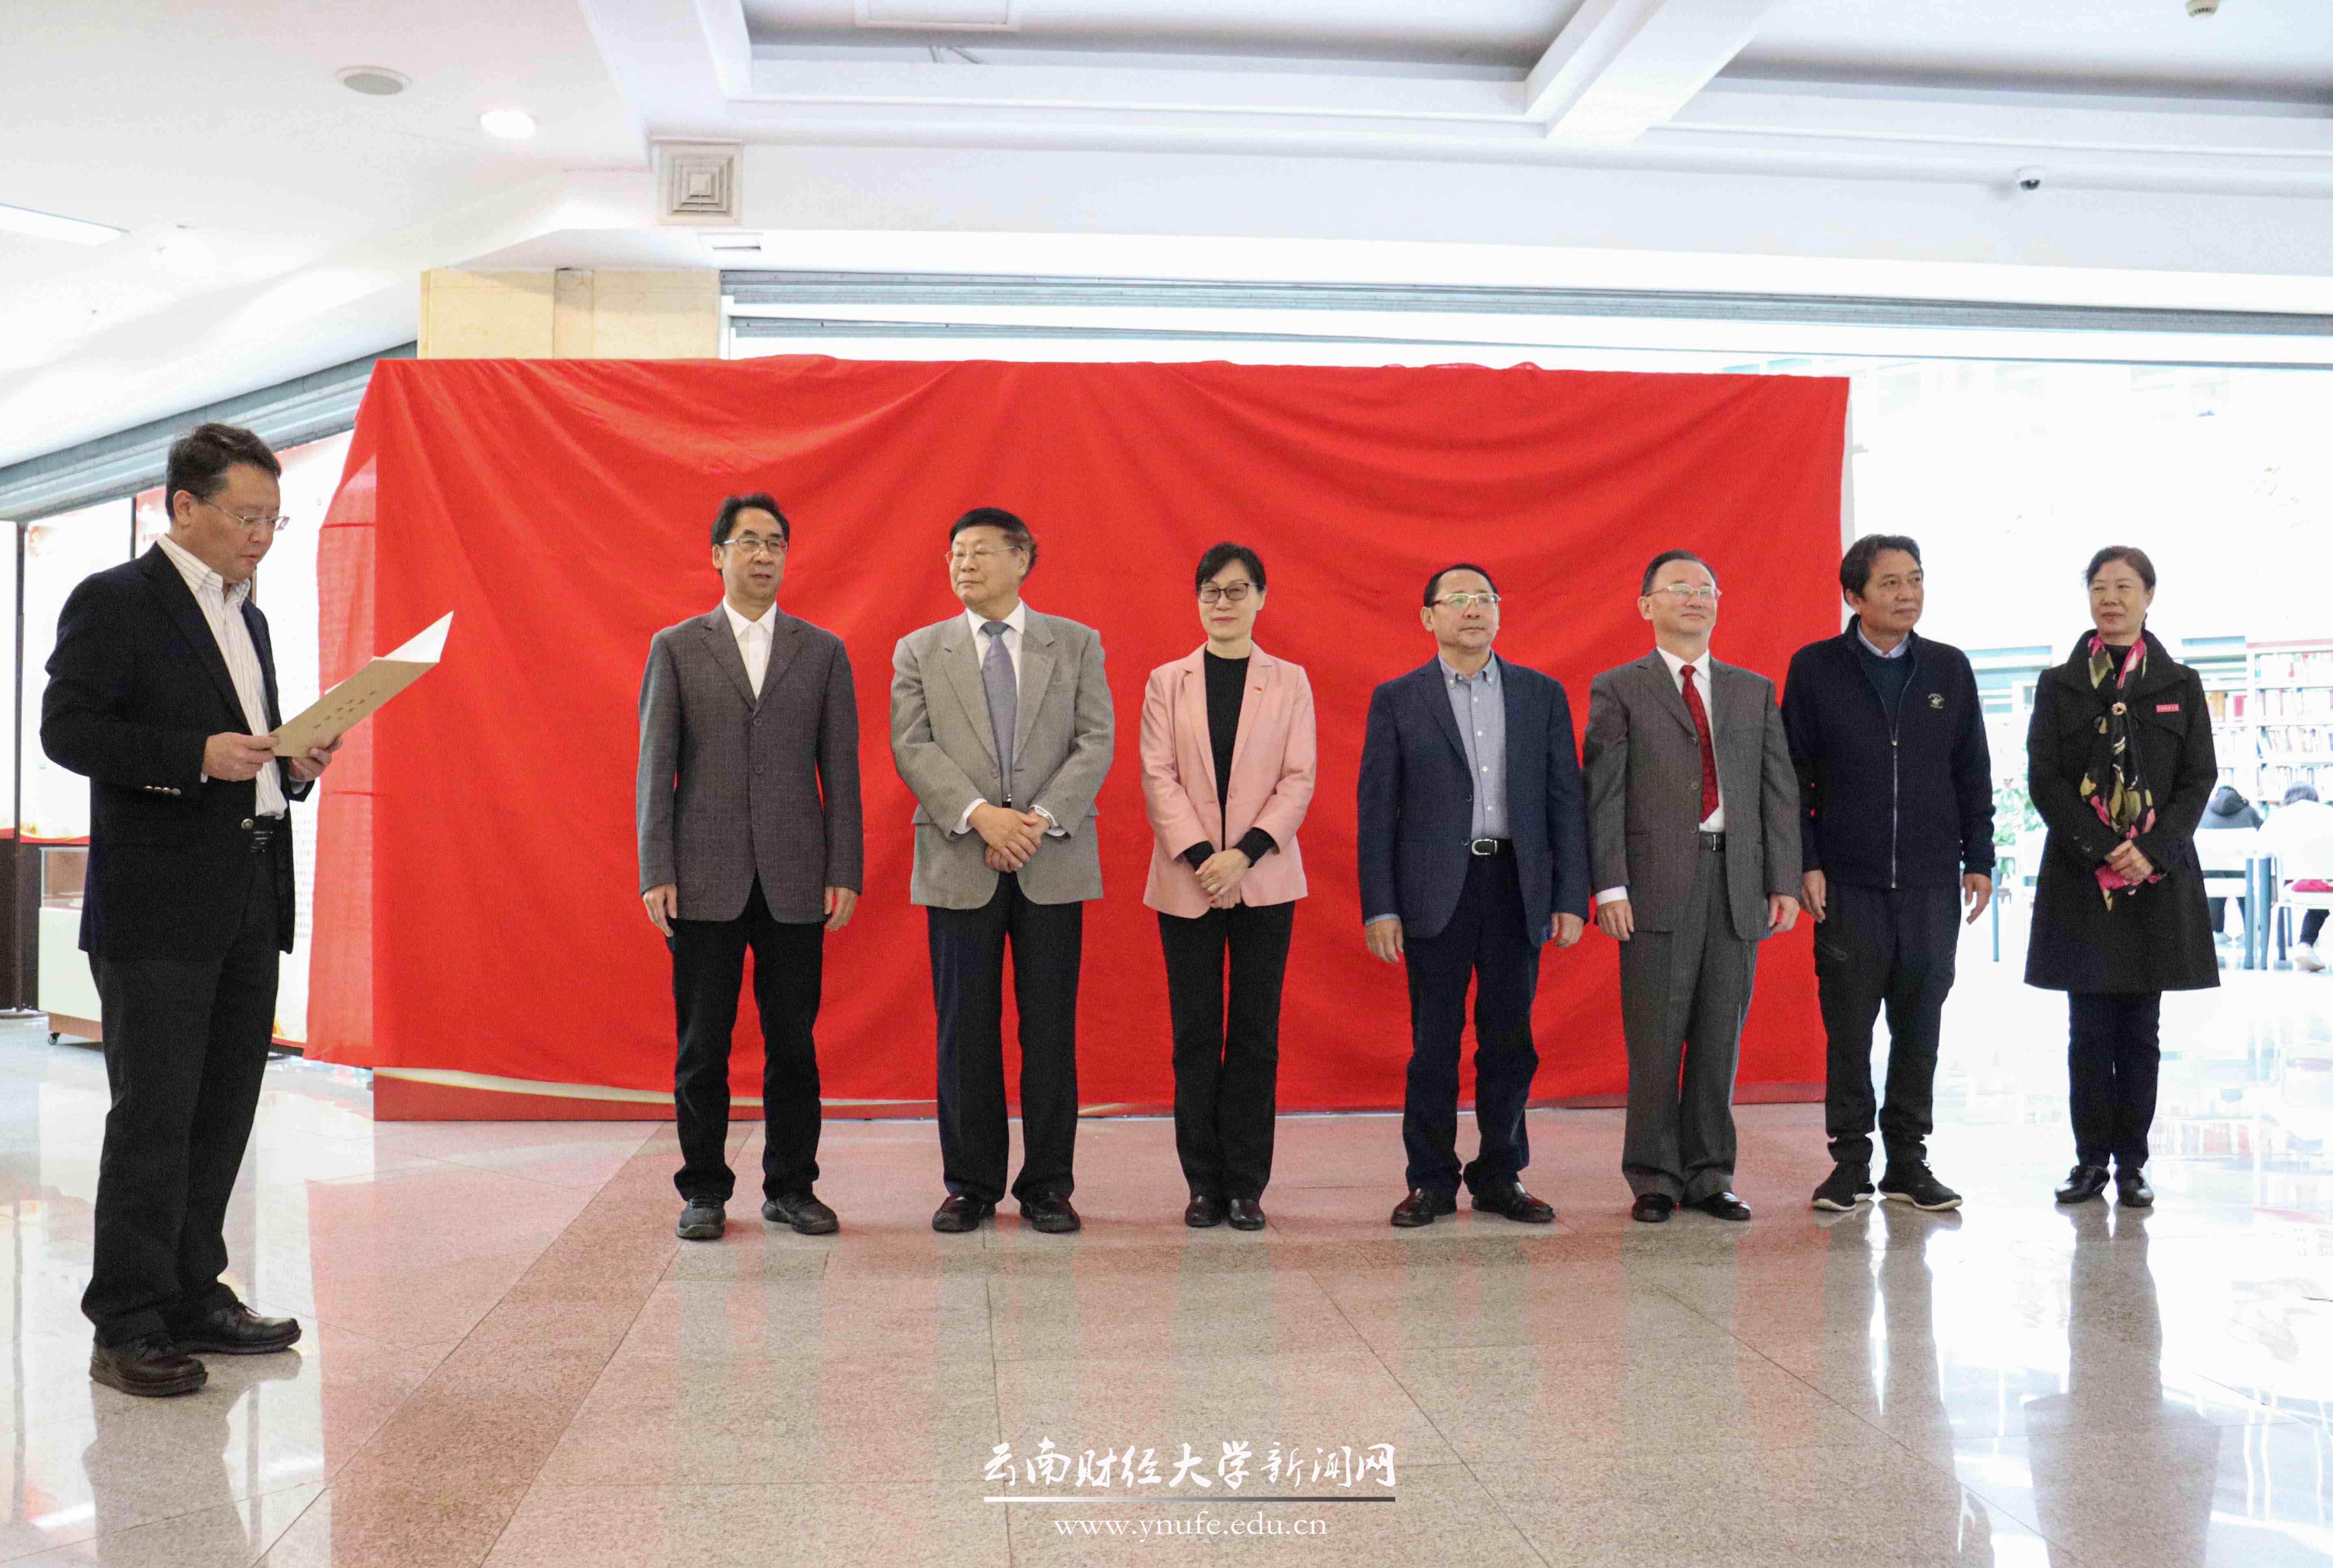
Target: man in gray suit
x=748 y=814
x=1001 y=725
x=1693 y=835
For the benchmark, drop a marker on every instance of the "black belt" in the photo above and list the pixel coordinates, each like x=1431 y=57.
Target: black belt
x=1713 y=841
x=1487 y=847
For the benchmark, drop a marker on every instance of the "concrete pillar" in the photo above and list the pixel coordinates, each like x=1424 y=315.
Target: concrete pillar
x=572 y=314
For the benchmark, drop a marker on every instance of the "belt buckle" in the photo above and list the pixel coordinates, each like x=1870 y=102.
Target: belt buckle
x=1482 y=848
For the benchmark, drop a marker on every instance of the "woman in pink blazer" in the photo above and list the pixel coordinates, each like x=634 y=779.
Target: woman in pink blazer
x=1227 y=760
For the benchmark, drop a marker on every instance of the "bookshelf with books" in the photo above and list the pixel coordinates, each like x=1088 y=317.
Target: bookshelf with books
x=2279 y=731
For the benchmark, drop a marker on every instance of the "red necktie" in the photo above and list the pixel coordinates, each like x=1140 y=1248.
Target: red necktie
x=1708 y=757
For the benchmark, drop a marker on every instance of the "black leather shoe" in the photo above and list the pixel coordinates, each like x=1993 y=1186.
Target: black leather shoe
x=1204 y=1212
x=804 y=1211
x=2082 y=1183
x=2131 y=1190
x=1423 y=1208
x=1051 y=1213
x=1651 y=1208
x=1246 y=1213
x=958 y=1213
x=1517 y=1205
x=701 y=1220
x=1722 y=1206
x=234 y=1330
x=151 y=1368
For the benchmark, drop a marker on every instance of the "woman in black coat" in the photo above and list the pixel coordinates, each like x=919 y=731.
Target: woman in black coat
x=2121 y=768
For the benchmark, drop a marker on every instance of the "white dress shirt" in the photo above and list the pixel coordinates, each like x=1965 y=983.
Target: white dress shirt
x=753 y=641
x=1714 y=822
x=1016 y=620
x=222 y=607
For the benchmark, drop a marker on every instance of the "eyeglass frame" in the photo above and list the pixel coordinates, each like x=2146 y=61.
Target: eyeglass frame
x=755 y=544
x=981 y=553
x=1467 y=599
x=274 y=524
x=1686 y=592
x=1222 y=591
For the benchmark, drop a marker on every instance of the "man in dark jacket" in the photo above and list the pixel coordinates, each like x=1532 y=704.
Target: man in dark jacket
x=162 y=692
x=1888 y=738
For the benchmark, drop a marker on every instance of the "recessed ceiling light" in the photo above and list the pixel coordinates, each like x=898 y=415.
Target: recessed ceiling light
x=372 y=80
x=510 y=124
x=185 y=255
x=48 y=225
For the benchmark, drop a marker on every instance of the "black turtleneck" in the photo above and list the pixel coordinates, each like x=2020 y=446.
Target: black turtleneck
x=1226 y=686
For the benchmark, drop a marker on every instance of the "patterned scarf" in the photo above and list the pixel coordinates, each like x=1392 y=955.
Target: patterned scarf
x=2112 y=783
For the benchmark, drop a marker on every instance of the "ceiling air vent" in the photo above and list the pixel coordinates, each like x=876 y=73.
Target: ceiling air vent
x=698 y=182
x=955 y=15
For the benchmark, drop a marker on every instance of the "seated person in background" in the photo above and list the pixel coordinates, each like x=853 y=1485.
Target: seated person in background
x=2228 y=810
x=2300 y=836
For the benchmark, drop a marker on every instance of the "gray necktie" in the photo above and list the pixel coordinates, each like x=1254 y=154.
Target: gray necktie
x=1004 y=700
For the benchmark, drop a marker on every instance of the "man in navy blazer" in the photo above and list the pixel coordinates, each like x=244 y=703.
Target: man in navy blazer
x=1474 y=850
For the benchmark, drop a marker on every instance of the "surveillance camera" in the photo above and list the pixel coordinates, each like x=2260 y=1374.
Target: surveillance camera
x=2202 y=7
x=2031 y=177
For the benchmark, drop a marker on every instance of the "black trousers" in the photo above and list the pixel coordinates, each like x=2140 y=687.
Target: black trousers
x=708 y=965
x=186 y=1044
x=1894 y=949
x=1487 y=943
x=2114 y=1059
x=1048 y=943
x=1226 y=1064
x=2311 y=924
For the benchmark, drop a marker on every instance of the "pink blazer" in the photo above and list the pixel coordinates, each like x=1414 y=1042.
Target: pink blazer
x=1272 y=763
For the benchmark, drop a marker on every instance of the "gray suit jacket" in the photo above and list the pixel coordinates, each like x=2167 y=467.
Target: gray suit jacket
x=731 y=788
x=1643 y=760
x=945 y=751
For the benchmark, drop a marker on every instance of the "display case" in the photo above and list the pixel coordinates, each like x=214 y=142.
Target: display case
x=68 y=991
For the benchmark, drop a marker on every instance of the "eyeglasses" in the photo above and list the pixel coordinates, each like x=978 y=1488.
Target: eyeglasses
x=980 y=553
x=274 y=523
x=1466 y=601
x=1234 y=591
x=753 y=544
x=1685 y=593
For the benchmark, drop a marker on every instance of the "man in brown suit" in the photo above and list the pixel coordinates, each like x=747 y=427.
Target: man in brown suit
x=1693 y=838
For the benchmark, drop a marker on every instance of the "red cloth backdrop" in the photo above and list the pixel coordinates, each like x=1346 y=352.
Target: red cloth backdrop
x=478 y=910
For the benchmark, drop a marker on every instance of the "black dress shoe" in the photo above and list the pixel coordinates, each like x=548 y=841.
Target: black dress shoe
x=1722 y=1206
x=804 y=1211
x=1516 y=1204
x=1246 y=1213
x=958 y=1213
x=151 y=1368
x=1204 y=1212
x=1049 y=1213
x=2131 y=1190
x=2082 y=1183
x=1651 y=1208
x=234 y=1330
x=1423 y=1208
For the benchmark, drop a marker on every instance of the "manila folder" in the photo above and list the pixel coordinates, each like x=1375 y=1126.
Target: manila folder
x=340 y=709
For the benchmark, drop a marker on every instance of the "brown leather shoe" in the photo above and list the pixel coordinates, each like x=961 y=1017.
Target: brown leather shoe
x=1423 y=1206
x=151 y=1368
x=1517 y=1205
x=234 y=1330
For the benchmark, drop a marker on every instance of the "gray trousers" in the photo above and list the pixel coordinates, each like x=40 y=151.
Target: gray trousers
x=1684 y=994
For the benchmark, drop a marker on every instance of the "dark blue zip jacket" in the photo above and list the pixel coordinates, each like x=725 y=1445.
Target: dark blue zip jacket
x=1894 y=798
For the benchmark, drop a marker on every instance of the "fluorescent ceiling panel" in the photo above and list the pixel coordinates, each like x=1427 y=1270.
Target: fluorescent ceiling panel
x=49 y=226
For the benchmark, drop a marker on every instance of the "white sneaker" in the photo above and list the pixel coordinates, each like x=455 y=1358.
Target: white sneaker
x=2307 y=958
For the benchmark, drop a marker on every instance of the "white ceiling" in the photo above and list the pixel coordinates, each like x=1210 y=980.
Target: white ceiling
x=1846 y=145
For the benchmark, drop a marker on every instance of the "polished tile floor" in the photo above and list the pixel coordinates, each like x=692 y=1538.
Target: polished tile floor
x=510 y=1361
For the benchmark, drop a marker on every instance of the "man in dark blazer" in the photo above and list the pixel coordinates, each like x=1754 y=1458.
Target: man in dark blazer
x=749 y=837
x=1887 y=735
x=162 y=692
x=1692 y=825
x=1473 y=850
x=1001 y=725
